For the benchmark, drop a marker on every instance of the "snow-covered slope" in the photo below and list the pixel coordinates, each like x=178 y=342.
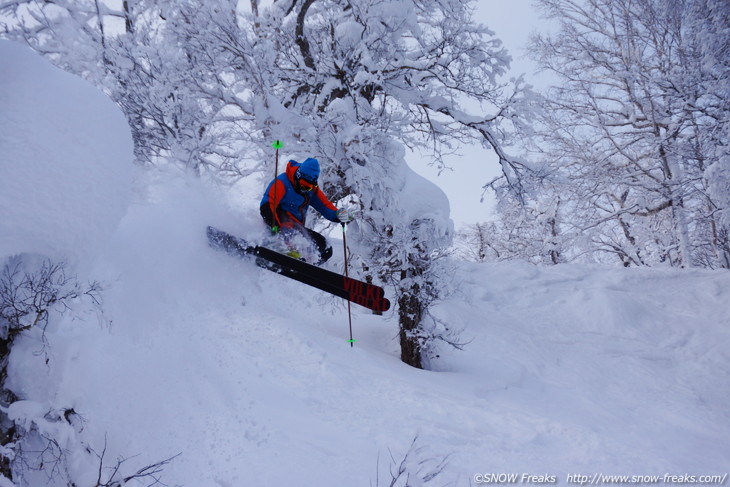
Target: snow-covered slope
x=249 y=376
x=570 y=369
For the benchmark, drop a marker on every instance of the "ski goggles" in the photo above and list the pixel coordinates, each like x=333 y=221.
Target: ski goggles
x=306 y=185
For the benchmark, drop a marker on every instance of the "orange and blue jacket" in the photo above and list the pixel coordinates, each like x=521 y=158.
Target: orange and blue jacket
x=282 y=206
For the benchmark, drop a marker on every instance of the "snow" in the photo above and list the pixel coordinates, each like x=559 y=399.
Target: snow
x=349 y=33
x=570 y=369
x=425 y=200
x=65 y=160
x=31 y=413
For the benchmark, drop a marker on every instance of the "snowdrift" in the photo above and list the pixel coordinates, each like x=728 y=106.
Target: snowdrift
x=65 y=162
x=570 y=369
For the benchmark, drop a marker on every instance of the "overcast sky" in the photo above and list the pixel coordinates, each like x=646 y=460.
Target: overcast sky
x=512 y=21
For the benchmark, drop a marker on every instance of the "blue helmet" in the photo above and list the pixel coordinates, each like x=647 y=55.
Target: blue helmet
x=309 y=170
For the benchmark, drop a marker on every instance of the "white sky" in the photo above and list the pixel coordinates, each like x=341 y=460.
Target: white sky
x=512 y=21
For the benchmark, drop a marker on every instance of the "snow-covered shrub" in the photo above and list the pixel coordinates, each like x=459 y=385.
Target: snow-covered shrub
x=417 y=467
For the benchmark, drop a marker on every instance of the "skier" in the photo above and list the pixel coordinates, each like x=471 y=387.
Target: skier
x=287 y=199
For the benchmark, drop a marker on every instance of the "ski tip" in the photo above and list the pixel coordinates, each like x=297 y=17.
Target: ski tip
x=378 y=306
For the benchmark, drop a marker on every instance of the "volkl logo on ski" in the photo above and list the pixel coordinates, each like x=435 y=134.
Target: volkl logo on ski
x=368 y=296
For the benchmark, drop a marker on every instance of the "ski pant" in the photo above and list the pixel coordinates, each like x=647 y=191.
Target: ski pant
x=324 y=249
x=290 y=228
x=289 y=234
x=320 y=243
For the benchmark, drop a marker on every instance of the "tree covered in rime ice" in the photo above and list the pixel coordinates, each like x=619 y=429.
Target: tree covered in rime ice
x=354 y=83
x=634 y=139
x=131 y=53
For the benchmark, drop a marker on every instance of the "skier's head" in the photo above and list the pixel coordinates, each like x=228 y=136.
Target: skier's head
x=307 y=175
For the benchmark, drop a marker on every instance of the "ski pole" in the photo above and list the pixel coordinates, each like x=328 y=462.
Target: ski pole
x=349 y=310
x=276 y=145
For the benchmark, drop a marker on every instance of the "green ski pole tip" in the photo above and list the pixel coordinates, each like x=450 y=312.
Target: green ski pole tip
x=351 y=341
x=277 y=144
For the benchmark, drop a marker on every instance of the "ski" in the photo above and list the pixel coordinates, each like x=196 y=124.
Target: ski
x=358 y=292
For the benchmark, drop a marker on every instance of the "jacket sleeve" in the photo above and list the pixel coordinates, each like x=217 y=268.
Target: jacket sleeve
x=324 y=206
x=270 y=203
x=268 y=216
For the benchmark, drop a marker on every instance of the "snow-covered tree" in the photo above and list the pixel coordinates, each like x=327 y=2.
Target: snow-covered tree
x=709 y=30
x=530 y=228
x=361 y=80
x=131 y=53
x=473 y=242
x=633 y=132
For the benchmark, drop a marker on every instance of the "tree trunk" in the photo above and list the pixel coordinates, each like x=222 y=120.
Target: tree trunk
x=673 y=179
x=410 y=312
